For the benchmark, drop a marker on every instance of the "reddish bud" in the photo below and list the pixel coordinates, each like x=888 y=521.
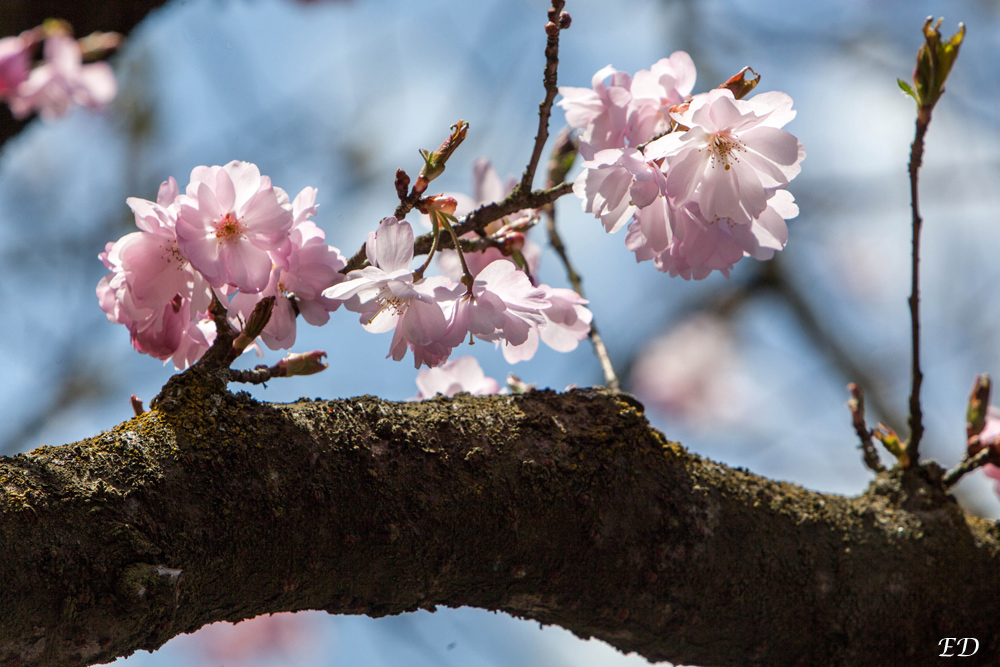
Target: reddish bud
x=446 y=205
x=739 y=85
x=512 y=242
x=402 y=184
x=258 y=319
x=305 y=363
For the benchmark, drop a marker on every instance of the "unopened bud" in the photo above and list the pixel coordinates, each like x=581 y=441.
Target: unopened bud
x=551 y=29
x=564 y=20
x=258 y=319
x=402 y=184
x=434 y=163
x=891 y=441
x=979 y=401
x=446 y=205
x=304 y=363
x=512 y=242
x=934 y=61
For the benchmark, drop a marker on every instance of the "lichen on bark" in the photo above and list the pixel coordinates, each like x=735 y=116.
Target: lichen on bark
x=564 y=508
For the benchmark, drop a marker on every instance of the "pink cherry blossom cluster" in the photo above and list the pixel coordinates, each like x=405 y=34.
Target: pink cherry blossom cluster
x=58 y=82
x=431 y=316
x=233 y=236
x=700 y=180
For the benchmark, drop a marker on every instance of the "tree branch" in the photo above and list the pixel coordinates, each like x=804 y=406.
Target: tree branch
x=564 y=508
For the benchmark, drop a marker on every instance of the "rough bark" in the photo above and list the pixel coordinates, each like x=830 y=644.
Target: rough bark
x=564 y=508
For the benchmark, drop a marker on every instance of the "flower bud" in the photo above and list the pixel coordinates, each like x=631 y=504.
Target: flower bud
x=304 y=363
x=258 y=319
x=891 y=441
x=512 y=242
x=979 y=401
x=402 y=184
x=434 y=163
x=934 y=61
x=446 y=205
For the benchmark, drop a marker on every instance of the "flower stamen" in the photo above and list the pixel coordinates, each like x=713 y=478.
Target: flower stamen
x=228 y=228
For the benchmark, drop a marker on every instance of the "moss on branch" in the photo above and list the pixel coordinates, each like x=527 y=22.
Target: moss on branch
x=564 y=508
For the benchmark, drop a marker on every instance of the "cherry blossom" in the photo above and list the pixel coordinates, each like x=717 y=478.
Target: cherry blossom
x=990 y=437
x=601 y=111
x=310 y=266
x=683 y=242
x=228 y=220
x=565 y=322
x=700 y=198
x=628 y=110
x=389 y=299
x=501 y=304
x=616 y=183
x=732 y=155
x=163 y=297
x=63 y=80
x=462 y=374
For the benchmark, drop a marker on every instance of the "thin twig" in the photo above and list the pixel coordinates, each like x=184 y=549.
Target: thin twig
x=857 y=407
x=916 y=422
x=610 y=377
x=558 y=21
x=966 y=465
x=258 y=375
x=478 y=220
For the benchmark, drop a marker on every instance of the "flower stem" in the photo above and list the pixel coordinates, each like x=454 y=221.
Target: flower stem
x=467 y=277
x=610 y=377
x=435 y=223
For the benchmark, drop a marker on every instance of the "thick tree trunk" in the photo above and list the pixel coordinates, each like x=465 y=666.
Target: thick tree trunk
x=564 y=508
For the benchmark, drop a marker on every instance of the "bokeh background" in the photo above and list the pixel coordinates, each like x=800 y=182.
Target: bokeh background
x=748 y=370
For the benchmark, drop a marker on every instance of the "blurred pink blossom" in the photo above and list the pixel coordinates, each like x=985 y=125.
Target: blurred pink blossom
x=692 y=373
x=61 y=81
x=15 y=65
x=462 y=374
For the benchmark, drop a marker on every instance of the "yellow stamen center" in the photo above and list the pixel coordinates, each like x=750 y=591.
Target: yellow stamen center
x=724 y=149
x=228 y=228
